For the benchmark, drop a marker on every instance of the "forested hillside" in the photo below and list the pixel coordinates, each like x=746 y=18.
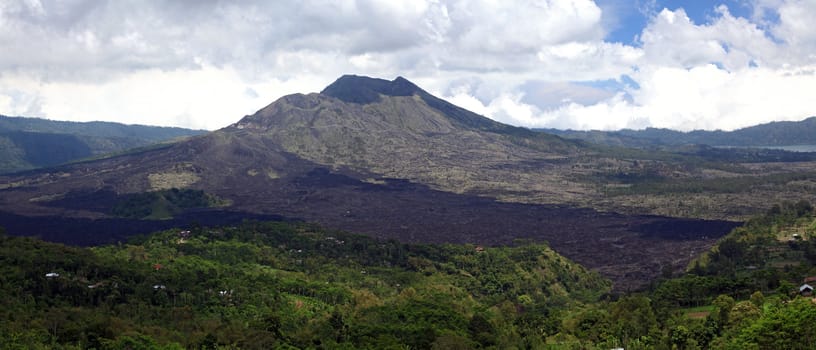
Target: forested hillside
x=263 y=285
x=743 y=294
x=27 y=143
x=280 y=285
x=781 y=133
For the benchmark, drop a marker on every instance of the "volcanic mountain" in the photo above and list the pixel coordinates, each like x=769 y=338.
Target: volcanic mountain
x=378 y=157
x=395 y=129
x=358 y=126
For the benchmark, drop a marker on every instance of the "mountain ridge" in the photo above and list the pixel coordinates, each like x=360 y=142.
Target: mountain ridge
x=92 y=128
x=29 y=143
x=364 y=90
x=776 y=133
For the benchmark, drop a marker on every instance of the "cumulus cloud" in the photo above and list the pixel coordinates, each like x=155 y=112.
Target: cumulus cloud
x=726 y=74
x=704 y=97
x=203 y=98
x=543 y=63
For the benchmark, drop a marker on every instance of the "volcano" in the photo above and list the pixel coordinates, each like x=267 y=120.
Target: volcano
x=378 y=157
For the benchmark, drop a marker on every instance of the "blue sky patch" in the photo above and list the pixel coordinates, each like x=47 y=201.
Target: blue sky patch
x=624 y=19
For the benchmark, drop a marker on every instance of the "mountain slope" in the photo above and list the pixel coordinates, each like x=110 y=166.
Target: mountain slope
x=94 y=129
x=782 y=133
x=405 y=132
x=27 y=143
x=402 y=164
x=283 y=284
x=396 y=135
x=365 y=90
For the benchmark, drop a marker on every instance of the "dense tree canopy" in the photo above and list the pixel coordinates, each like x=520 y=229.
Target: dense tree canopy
x=283 y=285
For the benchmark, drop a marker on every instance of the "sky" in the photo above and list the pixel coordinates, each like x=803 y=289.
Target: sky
x=567 y=64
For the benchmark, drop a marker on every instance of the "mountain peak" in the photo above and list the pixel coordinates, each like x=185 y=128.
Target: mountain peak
x=363 y=90
x=348 y=92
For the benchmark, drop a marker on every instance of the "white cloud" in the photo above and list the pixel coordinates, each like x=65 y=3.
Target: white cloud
x=725 y=74
x=711 y=98
x=5 y=103
x=704 y=97
x=796 y=28
x=586 y=61
x=205 y=64
x=553 y=94
x=611 y=114
x=523 y=27
x=206 y=98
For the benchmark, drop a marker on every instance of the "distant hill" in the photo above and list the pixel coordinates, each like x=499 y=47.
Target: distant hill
x=28 y=143
x=770 y=134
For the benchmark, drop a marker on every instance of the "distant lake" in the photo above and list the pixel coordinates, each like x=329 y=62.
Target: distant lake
x=793 y=148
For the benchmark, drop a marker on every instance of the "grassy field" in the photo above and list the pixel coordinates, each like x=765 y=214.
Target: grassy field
x=699 y=312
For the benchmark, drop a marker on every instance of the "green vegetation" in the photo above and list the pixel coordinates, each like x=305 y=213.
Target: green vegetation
x=783 y=133
x=24 y=150
x=163 y=204
x=268 y=285
x=103 y=130
x=27 y=143
x=737 y=296
x=768 y=249
x=744 y=292
x=281 y=285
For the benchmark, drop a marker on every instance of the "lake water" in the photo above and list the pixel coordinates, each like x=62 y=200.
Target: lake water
x=796 y=148
x=792 y=148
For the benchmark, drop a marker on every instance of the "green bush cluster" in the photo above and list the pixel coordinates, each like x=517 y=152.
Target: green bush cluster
x=162 y=204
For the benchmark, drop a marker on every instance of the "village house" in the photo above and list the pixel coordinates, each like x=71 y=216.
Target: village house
x=805 y=290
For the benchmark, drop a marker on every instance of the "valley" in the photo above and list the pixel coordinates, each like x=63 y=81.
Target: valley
x=631 y=250
x=272 y=284
x=387 y=159
x=420 y=174
x=412 y=173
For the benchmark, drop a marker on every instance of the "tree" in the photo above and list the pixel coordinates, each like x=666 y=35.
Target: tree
x=679 y=337
x=803 y=207
x=138 y=342
x=338 y=325
x=633 y=317
x=758 y=299
x=705 y=332
x=482 y=330
x=742 y=314
x=789 y=326
x=723 y=304
x=451 y=342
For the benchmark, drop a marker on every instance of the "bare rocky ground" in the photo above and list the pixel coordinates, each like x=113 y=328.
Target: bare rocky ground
x=631 y=250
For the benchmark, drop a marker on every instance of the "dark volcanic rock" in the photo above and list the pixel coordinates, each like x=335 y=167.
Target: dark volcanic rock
x=378 y=157
x=358 y=89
